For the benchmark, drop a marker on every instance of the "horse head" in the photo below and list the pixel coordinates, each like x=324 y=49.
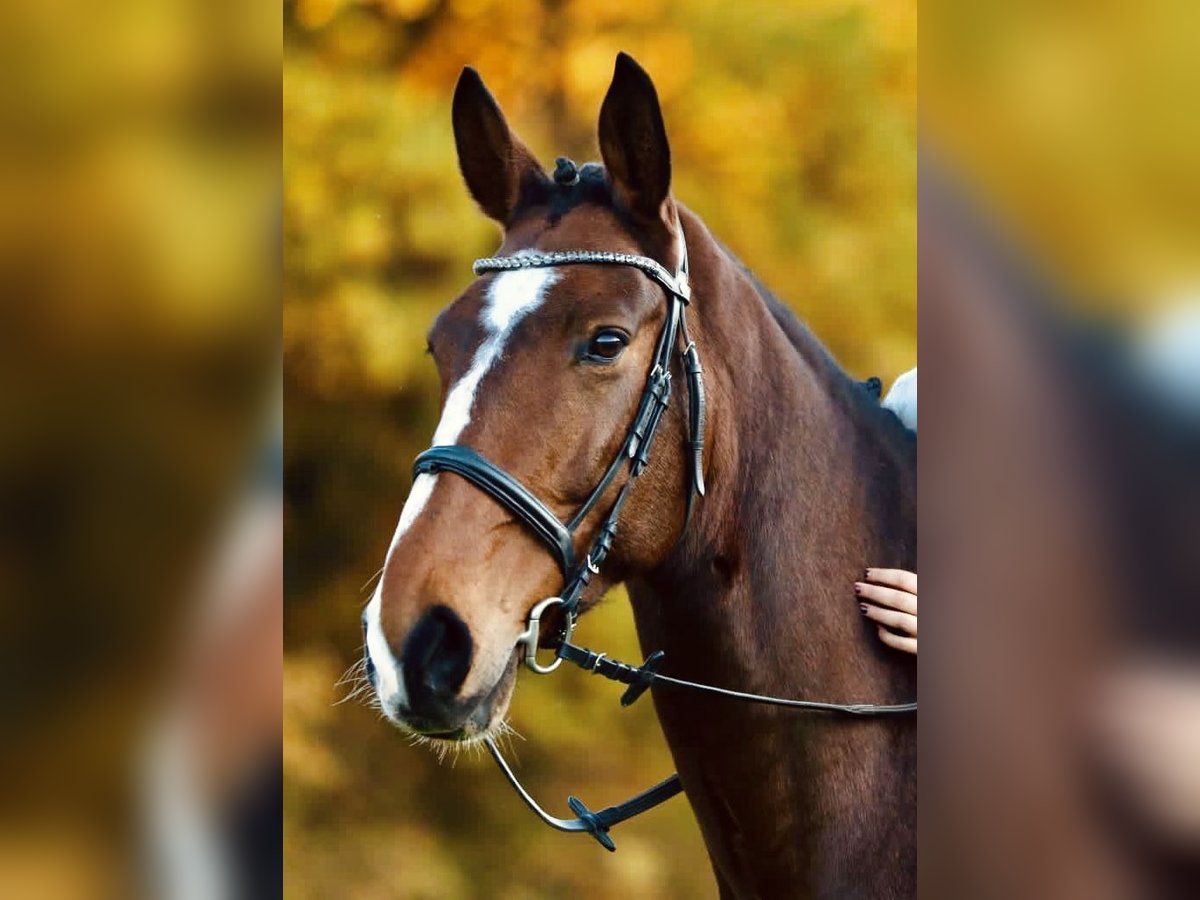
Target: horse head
x=542 y=370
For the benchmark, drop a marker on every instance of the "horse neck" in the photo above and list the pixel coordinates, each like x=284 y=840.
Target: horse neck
x=806 y=487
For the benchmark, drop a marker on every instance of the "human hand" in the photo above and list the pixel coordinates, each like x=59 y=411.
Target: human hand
x=889 y=597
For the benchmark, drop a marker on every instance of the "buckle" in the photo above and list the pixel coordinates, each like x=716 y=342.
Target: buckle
x=533 y=631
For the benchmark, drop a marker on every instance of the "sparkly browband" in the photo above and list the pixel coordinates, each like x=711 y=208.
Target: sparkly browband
x=677 y=285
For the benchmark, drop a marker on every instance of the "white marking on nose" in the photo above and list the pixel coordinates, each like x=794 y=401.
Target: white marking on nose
x=510 y=297
x=388 y=683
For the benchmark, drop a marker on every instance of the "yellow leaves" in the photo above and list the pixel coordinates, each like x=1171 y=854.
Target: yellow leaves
x=1077 y=123
x=589 y=65
x=895 y=25
x=409 y=9
x=390 y=861
x=589 y=54
x=309 y=762
x=647 y=15
x=314 y=14
x=308 y=195
x=366 y=235
x=371 y=341
x=667 y=54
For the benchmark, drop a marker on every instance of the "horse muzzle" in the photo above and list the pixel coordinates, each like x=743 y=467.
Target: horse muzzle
x=423 y=690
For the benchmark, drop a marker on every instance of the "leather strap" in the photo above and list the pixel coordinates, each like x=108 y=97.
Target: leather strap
x=678 y=286
x=601 y=821
x=697 y=411
x=507 y=490
x=596 y=823
x=635 y=450
x=518 y=499
x=645 y=675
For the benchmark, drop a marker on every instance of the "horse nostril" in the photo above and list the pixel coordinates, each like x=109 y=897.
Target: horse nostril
x=437 y=655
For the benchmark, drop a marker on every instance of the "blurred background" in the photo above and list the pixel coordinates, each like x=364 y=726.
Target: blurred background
x=793 y=133
x=1071 y=125
x=1060 y=459
x=139 y=336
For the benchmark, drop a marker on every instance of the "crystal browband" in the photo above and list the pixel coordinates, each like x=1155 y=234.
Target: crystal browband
x=679 y=287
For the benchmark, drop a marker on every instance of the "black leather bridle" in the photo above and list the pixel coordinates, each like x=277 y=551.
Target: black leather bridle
x=559 y=536
x=634 y=452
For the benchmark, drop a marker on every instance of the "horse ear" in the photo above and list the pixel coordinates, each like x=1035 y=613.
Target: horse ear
x=633 y=143
x=496 y=166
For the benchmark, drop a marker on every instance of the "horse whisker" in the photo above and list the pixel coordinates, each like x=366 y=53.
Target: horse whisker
x=367 y=583
x=502 y=732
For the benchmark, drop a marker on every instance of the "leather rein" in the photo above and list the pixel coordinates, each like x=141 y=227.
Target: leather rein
x=559 y=537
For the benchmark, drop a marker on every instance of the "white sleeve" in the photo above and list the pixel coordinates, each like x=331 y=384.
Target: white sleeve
x=1167 y=355
x=902 y=398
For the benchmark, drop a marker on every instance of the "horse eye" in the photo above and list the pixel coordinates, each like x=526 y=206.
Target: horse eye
x=607 y=344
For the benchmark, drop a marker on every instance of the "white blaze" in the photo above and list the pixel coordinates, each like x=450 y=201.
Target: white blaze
x=510 y=297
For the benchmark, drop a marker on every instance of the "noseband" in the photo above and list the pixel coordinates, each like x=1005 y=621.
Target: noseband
x=559 y=536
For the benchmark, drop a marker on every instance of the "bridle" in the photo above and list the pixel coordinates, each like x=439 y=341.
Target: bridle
x=559 y=537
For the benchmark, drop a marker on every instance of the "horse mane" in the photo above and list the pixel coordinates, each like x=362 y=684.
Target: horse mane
x=886 y=459
x=855 y=396
x=591 y=186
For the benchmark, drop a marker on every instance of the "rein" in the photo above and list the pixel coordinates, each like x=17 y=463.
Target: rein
x=559 y=537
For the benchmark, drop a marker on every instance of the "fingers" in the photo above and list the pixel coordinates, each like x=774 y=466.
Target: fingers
x=896 y=578
x=1148 y=725
x=902 y=622
x=907 y=644
x=904 y=601
x=893 y=605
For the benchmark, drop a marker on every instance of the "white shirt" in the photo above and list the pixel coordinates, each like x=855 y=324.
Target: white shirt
x=902 y=398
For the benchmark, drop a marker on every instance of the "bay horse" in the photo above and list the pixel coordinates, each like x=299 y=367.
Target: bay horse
x=805 y=479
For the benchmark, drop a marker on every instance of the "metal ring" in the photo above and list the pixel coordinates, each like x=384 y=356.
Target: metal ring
x=532 y=634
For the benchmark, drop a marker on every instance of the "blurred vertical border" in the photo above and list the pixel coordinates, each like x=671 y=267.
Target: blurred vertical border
x=139 y=345
x=1060 y=466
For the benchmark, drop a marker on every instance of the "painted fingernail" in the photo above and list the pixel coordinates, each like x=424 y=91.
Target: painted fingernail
x=866 y=574
x=857 y=587
x=863 y=608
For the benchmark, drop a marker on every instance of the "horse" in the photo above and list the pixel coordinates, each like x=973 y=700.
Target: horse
x=804 y=477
